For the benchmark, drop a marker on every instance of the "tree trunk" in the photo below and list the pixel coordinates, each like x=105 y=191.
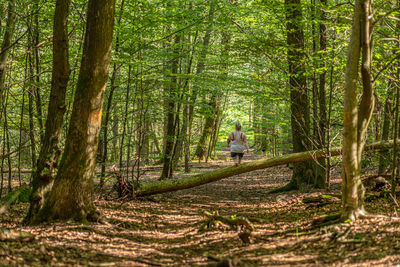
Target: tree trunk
x=395 y=167
x=193 y=97
x=5 y=47
x=72 y=194
x=36 y=54
x=171 y=98
x=303 y=175
x=125 y=121
x=50 y=151
x=202 y=146
x=387 y=117
x=320 y=174
x=356 y=117
x=157 y=187
x=113 y=87
x=31 y=93
x=211 y=122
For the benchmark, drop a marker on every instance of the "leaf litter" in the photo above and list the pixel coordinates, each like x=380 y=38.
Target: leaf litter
x=168 y=229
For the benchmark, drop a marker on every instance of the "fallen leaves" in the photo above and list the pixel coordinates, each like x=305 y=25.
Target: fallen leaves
x=164 y=231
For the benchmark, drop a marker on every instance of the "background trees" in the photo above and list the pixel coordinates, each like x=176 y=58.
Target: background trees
x=183 y=72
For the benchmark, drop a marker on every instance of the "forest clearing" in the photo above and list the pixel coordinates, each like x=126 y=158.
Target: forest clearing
x=199 y=133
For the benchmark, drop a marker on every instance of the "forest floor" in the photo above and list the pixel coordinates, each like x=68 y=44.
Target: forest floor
x=166 y=229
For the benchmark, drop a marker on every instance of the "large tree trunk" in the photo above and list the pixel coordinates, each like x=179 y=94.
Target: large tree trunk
x=50 y=150
x=356 y=117
x=157 y=187
x=72 y=194
x=303 y=174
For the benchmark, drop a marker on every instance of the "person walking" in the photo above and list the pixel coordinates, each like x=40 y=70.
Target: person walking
x=239 y=144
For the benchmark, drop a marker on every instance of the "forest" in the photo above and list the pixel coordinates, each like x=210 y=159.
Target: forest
x=199 y=133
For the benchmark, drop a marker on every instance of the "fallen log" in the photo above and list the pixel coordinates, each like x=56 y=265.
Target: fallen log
x=157 y=187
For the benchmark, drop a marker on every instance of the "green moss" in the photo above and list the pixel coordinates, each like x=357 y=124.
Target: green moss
x=18 y=195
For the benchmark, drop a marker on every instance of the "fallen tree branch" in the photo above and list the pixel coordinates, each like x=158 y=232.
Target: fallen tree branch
x=157 y=187
x=233 y=223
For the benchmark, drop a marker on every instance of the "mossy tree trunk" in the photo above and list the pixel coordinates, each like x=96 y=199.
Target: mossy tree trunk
x=72 y=194
x=158 y=187
x=50 y=150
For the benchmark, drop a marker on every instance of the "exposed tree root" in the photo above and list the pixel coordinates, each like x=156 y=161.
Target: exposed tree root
x=327 y=220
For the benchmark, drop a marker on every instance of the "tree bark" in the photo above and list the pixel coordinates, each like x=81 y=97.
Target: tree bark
x=36 y=54
x=356 y=117
x=322 y=118
x=387 y=117
x=193 y=97
x=113 y=87
x=50 y=151
x=125 y=121
x=72 y=194
x=170 y=106
x=5 y=47
x=303 y=175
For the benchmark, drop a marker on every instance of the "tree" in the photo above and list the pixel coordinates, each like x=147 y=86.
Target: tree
x=50 y=151
x=5 y=47
x=72 y=194
x=300 y=115
x=356 y=116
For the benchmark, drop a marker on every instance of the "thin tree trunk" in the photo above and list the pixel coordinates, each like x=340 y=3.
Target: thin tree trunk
x=113 y=87
x=121 y=148
x=395 y=163
x=21 y=126
x=35 y=37
x=171 y=98
x=387 y=117
x=320 y=175
x=5 y=47
x=193 y=97
x=31 y=113
x=395 y=167
x=7 y=143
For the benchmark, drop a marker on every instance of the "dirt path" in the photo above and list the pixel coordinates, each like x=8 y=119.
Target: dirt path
x=164 y=230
